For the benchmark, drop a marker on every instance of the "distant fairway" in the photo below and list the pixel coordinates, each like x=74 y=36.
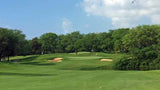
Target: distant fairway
x=81 y=72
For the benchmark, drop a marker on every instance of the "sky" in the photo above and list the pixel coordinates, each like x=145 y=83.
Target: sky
x=36 y=17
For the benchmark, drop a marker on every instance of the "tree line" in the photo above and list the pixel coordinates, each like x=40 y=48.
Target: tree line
x=13 y=42
x=141 y=43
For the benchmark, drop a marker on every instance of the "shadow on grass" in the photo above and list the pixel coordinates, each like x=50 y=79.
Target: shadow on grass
x=25 y=59
x=30 y=61
x=24 y=74
x=88 y=68
x=37 y=63
x=96 y=68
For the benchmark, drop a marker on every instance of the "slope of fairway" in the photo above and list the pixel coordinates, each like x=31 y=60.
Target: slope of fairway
x=82 y=72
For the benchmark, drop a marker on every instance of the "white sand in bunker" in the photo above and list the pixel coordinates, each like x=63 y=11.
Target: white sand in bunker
x=56 y=60
x=106 y=60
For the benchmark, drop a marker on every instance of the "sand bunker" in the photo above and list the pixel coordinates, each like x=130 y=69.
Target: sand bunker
x=106 y=60
x=56 y=60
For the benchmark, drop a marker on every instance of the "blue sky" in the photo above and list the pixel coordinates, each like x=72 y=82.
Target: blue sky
x=35 y=17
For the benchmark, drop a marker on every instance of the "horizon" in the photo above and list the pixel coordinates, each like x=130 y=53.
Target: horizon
x=35 y=18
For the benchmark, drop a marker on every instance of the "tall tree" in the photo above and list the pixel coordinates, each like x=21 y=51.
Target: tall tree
x=49 y=42
x=142 y=36
x=36 y=46
x=117 y=38
x=90 y=42
x=10 y=41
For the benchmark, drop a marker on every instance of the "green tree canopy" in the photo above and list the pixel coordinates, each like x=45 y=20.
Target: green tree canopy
x=49 y=42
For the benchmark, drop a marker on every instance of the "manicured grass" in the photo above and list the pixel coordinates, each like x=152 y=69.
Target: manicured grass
x=82 y=72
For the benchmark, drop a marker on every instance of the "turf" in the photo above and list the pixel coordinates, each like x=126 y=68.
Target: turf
x=81 y=72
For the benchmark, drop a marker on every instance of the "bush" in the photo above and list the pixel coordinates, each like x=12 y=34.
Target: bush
x=142 y=59
x=126 y=63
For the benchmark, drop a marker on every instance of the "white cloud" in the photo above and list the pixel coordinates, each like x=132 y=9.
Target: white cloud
x=67 y=26
x=124 y=13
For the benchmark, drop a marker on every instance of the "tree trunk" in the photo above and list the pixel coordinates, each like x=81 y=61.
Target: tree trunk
x=64 y=50
x=76 y=52
x=8 y=59
x=0 y=59
x=42 y=52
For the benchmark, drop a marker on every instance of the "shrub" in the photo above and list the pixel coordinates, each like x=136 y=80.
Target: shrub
x=142 y=59
x=126 y=63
